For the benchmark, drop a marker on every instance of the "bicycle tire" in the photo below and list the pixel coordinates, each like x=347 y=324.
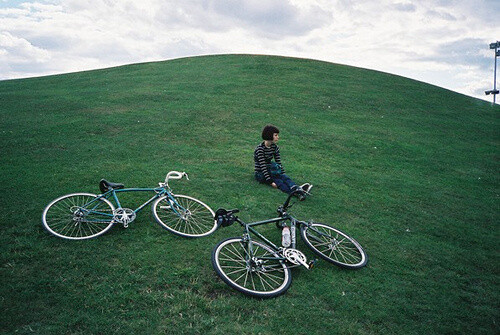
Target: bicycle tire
x=198 y=221
x=78 y=216
x=270 y=278
x=334 y=245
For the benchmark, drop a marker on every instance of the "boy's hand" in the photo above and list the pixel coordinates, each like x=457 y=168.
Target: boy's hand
x=273 y=184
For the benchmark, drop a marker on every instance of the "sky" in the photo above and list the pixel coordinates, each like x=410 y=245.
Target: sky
x=441 y=42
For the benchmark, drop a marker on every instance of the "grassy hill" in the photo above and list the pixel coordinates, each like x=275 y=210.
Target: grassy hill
x=408 y=169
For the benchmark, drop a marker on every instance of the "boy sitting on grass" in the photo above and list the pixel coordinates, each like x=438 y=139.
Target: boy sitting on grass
x=273 y=173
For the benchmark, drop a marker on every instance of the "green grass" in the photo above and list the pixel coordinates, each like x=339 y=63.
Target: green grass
x=408 y=169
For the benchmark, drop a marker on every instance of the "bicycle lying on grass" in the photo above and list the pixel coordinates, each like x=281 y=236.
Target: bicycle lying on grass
x=262 y=269
x=80 y=216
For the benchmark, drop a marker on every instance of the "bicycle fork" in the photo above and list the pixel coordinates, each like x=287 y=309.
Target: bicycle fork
x=175 y=207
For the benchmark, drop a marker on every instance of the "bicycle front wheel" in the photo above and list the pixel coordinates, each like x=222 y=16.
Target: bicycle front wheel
x=189 y=217
x=252 y=268
x=333 y=245
x=78 y=216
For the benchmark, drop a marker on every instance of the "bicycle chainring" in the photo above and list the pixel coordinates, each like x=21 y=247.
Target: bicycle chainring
x=295 y=256
x=124 y=216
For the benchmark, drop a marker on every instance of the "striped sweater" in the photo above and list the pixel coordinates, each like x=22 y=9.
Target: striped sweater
x=263 y=156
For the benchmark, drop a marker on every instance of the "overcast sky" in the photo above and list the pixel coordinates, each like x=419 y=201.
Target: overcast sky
x=442 y=42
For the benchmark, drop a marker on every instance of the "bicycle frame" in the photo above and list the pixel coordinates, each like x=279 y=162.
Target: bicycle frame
x=113 y=193
x=159 y=192
x=249 y=228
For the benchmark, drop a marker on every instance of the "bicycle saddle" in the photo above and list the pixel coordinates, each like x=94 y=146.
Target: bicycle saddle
x=106 y=186
x=224 y=217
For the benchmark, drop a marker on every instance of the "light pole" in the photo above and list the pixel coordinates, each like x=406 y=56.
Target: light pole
x=494 y=91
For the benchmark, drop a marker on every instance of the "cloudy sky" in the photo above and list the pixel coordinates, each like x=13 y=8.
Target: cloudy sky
x=442 y=42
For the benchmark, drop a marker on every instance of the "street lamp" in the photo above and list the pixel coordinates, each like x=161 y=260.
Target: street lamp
x=494 y=91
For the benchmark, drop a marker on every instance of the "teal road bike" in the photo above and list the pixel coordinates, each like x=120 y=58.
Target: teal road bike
x=261 y=268
x=79 y=216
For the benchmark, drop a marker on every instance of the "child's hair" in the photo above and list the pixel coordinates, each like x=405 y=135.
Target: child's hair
x=269 y=131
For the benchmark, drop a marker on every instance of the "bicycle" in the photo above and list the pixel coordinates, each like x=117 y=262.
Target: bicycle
x=262 y=269
x=79 y=216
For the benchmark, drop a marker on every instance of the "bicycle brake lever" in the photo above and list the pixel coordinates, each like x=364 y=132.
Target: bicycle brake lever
x=185 y=174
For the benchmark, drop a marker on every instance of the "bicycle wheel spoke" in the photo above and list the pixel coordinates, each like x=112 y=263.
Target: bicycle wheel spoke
x=229 y=258
x=273 y=275
x=262 y=282
x=236 y=271
x=253 y=282
x=236 y=254
x=348 y=254
x=196 y=225
x=268 y=277
x=232 y=260
x=246 y=278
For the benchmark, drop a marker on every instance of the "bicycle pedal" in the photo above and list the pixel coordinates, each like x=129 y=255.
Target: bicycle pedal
x=311 y=264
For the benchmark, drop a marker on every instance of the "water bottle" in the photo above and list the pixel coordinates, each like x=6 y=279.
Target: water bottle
x=285 y=238
x=292 y=232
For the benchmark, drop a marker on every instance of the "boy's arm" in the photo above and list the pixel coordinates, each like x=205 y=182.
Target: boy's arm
x=277 y=158
x=261 y=163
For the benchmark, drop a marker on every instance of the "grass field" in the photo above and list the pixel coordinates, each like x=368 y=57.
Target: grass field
x=408 y=169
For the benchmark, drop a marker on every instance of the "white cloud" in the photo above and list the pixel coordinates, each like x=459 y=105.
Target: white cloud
x=432 y=41
x=18 y=54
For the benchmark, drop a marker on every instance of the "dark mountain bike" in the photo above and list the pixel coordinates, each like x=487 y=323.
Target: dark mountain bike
x=262 y=269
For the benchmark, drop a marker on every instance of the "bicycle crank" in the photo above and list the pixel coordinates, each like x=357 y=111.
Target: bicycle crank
x=124 y=216
x=297 y=257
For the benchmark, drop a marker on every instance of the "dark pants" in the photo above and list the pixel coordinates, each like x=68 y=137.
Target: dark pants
x=283 y=182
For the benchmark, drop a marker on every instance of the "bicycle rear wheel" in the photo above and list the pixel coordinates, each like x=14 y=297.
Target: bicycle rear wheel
x=188 y=218
x=333 y=245
x=261 y=273
x=78 y=216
